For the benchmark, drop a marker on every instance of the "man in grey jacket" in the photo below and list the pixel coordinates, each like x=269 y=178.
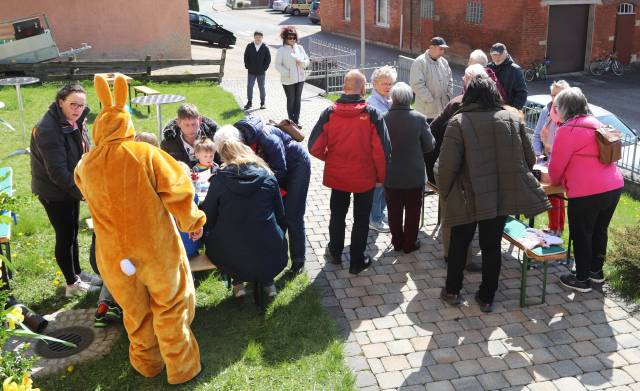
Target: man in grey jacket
x=431 y=80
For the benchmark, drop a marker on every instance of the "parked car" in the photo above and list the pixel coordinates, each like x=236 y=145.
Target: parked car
x=299 y=7
x=203 y=28
x=281 y=5
x=314 y=12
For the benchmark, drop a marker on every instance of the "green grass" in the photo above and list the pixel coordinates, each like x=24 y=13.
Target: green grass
x=295 y=346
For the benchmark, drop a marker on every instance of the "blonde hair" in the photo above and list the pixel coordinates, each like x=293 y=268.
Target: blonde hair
x=205 y=145
x=235 y=153
x=148 y=138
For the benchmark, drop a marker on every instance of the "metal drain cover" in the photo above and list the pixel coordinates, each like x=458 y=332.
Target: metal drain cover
x=82 y=337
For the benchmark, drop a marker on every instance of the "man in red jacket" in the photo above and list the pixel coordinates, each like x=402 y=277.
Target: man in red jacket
x=352 y=139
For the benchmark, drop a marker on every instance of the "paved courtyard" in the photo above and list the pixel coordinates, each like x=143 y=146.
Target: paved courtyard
x=400 y=335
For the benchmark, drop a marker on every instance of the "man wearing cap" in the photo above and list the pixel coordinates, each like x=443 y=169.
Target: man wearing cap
x=256 y=59
x=430 y=78
x=510 y=76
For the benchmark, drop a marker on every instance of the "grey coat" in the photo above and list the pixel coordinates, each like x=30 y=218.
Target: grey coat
x=410 y=140
x=432 y=83
x=485 y=167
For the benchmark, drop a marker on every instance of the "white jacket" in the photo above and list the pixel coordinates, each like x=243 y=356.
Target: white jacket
x=432 y=83
x=290 y=71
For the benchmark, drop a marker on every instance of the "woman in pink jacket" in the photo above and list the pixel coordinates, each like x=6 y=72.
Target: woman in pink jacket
x=593 y=188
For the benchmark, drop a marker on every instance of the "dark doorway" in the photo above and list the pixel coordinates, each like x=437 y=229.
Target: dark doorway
x=567 y=37
x=625 y=22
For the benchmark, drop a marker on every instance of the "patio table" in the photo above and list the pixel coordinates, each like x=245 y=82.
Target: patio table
x=158 y=100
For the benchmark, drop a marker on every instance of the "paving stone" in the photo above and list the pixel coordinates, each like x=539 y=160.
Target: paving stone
x=443 y=372
x=377 y=336
x=399 y=347
x=416 y=376
x=543 y=372
x=390 y=379
x=617 y=377
x=563 y=352
x=395 y=363
x=420 y=359
x=568 y=383
x=403 y=332
x=444 y=385
x=627 y=340
x=493 y=348
x=421 y=343
x=375 y=365
x=538 y=340
x=542 y=386
x=607 y=344
x=612 y=360
x=622 y=327
x=492 y=364
x=541 y=356
x=585 y=348
x=469 y=383
x=632 y=356
x=357 y=363
x=446 y=340
x=633 y=371
x=588 y=364
x=445 y=356
x=468 y=352
x=517 y=377
x=593 y=381
x=581 y=333
x=566 y=368
x=468 y=367
x=352 y=349
x=492 y=381
x=515 y=330
x=386 y=322
x=375 y=350
x=365 y=379
x=560 y=337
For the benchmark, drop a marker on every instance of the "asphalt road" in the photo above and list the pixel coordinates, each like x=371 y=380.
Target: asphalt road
x=620 y=95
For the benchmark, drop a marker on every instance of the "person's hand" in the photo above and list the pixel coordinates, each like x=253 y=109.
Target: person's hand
x=378 y=185
x=196 y=235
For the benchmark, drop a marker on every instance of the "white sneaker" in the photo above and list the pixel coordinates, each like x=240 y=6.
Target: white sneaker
x=270 y=290
x=379 y=226
x=239 y=291
x=90 y=278
x=79 y=288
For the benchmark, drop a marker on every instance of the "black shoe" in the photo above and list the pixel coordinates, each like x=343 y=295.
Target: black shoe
x=572 y=282
x=484 y=306
x=336 y=260
x=247 y=106
x=416 y=246
x=473 y=267
x=597 y=277
x=357 y=268
x=450 y=298
x=296 y=269
x=262 y=106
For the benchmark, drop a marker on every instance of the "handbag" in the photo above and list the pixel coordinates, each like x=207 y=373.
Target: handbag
x=609 y=141
x=289 y=127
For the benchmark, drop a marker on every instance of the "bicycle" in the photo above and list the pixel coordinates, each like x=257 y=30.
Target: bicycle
x=602 y=65
x=537 y=70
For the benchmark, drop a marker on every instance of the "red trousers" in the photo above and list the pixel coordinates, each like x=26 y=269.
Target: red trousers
x=405 y=202
x=556 y=213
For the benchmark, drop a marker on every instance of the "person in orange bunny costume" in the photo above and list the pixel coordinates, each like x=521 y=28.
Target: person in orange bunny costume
x=133 y=189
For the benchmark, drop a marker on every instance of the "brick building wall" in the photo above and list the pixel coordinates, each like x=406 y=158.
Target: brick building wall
x=520 y=24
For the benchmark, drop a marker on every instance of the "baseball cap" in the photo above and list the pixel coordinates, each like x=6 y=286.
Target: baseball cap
x=498 y=48
x=439 y=41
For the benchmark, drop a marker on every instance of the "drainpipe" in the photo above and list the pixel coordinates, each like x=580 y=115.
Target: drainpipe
x=401 y=21
x=411 y=26
x=362 y=37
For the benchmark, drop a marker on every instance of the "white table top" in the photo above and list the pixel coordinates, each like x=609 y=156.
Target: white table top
x=159 y=99
x=12 y=81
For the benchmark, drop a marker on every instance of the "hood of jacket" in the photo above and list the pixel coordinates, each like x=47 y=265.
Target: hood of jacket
x=244 y=179
x=249 y=128
x=57 y=115
x=349 y=105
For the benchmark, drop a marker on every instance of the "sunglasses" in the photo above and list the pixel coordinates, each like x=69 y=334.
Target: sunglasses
x=292 y=37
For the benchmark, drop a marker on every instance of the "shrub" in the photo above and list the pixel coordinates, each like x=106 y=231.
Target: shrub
x=623 y=261
x=194 y=5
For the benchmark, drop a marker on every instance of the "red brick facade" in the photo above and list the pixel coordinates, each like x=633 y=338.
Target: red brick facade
x=521 y=24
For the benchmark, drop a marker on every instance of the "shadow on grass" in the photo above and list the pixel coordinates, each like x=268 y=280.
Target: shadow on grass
x=230 y=113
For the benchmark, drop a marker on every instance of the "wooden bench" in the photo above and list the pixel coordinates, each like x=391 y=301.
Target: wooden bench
x=144 y=90
x=515 y=230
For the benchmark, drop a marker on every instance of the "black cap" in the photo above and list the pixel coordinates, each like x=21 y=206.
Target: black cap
x=439 y=41
x=498 y=48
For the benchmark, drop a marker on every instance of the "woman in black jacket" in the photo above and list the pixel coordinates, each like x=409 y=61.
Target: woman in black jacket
x=57 y=144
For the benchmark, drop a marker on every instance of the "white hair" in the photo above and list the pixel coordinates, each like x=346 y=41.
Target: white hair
x=226 y=132
x=475 y=70
x=401 y=94
x=571 y=102
x=478 y=57
x=386 y=71
x=560 y=85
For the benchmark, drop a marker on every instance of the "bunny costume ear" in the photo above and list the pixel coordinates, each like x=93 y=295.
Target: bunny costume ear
x=120 y=91
x=103 y=91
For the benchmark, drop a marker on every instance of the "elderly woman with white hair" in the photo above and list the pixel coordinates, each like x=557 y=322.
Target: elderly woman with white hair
x=593 y=187
x=479 y=57
x=410 y=140
x=382 y=80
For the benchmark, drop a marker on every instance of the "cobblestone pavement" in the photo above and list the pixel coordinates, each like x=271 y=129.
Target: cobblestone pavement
x=400 y=335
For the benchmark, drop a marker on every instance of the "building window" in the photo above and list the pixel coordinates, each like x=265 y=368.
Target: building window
x=475 y=12
x=625 y=9
x=382 y=13
x=427 y=9
x=347 y=9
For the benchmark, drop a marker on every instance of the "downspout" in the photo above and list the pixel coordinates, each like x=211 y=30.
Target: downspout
x=401 y=22
x=411 y=26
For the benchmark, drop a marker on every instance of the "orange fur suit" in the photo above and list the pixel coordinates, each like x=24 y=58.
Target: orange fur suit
x=133 y=189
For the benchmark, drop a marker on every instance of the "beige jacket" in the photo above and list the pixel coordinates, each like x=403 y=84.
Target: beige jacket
x=432 y=83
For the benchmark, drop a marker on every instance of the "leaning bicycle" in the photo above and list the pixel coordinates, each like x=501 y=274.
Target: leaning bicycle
x=608 y=63
x=537 y=70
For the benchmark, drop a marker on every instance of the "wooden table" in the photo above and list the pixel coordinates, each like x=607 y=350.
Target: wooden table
x=111 y=77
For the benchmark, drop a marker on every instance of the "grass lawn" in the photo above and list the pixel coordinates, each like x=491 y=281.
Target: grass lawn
x=295 y=346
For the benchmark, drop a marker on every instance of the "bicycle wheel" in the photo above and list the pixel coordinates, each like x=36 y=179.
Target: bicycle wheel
x=596 y=68
x=530 y=75
x=617 y=68
x=543 y=73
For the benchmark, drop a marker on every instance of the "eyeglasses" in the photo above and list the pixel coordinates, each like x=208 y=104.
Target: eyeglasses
x=76 y=106
x=292 y=37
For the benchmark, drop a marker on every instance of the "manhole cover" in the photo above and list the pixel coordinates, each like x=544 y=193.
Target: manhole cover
x=79 y=336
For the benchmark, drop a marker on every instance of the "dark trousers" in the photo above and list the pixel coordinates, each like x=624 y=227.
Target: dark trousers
x=490 y=234
x=295 y=203
x=251 y=80
x=294 y=96
x=404 y=204
x=64 y=216
x=589 y=219
x=339 y=205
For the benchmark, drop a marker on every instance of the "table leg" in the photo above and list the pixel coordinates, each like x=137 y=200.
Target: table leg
x=159 y=119
x=21 y=111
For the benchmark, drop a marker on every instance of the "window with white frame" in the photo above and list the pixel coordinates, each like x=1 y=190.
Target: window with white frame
x=475 y=12
x=625 y=9
x=427 y=10
x=382 y=12
x=347 y=9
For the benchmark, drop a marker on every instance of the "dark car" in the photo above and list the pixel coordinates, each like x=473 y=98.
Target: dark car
x=314 y=12
x=203 y=28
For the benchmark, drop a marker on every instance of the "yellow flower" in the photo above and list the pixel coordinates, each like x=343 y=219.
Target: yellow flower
x=14 y=316
x=9 y=385
x=58 y=273
x=70 y=368
x=56 y=282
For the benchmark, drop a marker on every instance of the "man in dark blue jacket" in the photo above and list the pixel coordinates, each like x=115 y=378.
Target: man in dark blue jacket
x=291 y=166
x=509 y=74
x=256 y=59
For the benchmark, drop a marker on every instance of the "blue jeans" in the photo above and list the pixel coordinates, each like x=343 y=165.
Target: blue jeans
x=379 y=205
x=295 y=203
x=251 y=82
